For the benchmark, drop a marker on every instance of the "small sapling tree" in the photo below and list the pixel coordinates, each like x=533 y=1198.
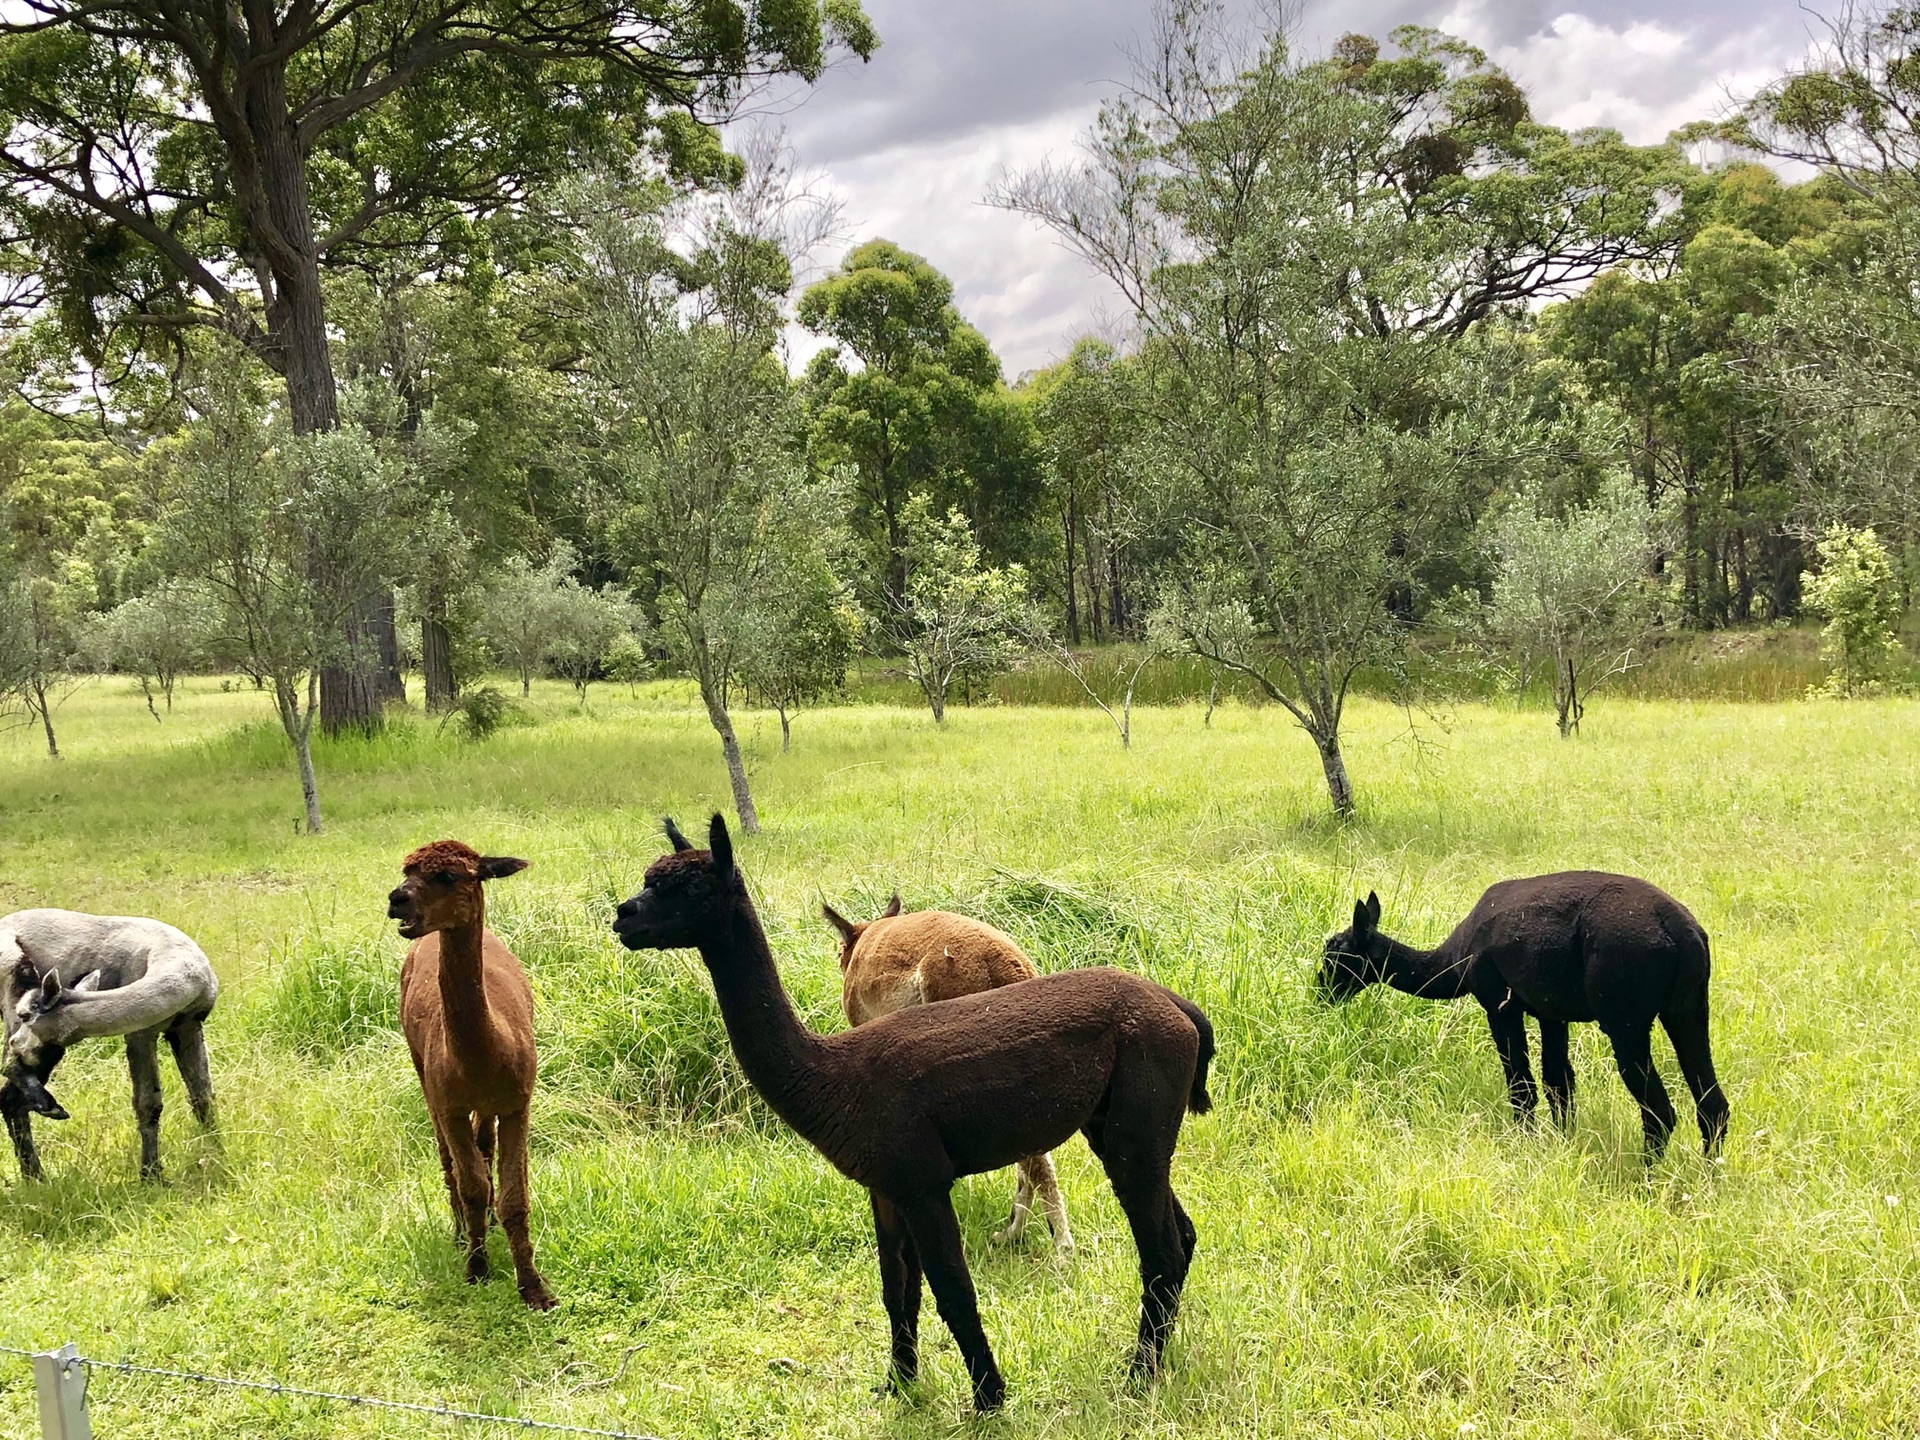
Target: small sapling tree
x=40 y=634
x=520 y=609
x=956 y=617
x=584 y=625
x=793 y=627
x=1854 y=588
x=156 y=637
x=1570 y=591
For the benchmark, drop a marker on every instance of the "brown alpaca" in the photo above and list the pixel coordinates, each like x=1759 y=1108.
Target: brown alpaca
x=467 y=1011
x=900 y=960
x=909 y=1103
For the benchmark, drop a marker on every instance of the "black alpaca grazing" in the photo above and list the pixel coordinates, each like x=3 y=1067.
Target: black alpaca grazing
x=908 y=1103
x=1562 y=948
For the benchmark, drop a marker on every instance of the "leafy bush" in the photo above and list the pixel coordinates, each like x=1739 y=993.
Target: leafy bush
x=1854 y=589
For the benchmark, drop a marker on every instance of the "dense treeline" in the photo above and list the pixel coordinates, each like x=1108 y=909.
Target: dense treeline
x=1404 y=361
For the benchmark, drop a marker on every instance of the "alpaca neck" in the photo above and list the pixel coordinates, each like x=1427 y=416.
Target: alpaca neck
x=83 y=1014
x=779 y=1055
x=1435 y=974
x=463 y=987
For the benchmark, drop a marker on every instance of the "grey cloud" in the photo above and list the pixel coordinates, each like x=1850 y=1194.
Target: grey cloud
x=961 y=92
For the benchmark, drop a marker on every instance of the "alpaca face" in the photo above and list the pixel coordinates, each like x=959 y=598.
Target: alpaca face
x=442 y=887
x=1355 y=957
x=685 y=896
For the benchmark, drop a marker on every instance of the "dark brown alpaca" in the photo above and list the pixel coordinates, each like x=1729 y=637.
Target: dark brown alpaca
x=907 y=1104
x=1577 y=946
x=899 y=960
x=467 y=1011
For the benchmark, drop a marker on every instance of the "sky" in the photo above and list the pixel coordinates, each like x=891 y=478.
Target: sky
x=963 y=92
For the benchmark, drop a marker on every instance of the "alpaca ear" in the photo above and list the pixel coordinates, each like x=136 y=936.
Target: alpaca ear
x=839 y=922
x=498 y=867
x=721 y=844
x=674 y=837
x=893 y=907
x=1362 y=918
x=90 y=982
x=50 y=990
x=1373 y=909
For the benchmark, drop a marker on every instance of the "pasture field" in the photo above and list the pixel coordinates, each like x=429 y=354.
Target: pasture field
x=1381 y=1252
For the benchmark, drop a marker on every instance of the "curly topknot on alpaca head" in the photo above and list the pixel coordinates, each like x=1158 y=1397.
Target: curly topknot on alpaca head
x=443 y=857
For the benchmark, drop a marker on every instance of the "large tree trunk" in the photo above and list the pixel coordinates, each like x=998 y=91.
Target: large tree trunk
x=436 y=655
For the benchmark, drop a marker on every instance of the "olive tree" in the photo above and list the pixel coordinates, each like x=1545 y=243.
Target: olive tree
x=1571 y=592
x=1305 y=243
x=694 y=440
x=253 y=512
x=155 y=637
x=1854 y=589
x=957 y=617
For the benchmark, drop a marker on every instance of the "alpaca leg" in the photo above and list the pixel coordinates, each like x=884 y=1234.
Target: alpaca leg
x=1633 y=1053
x=1047 y=1183
x=1023 y=1188
x=20 y=1130
x=1694 y=1051
x=1556 y=1071
x=483 y=1136
x=188 y=1041
x=143 y=1067
x=899 y=1290
x=473 y=1190
x=1509 y=1025
x=514 y=1207
x=1165 y=1257
x=936 y=1235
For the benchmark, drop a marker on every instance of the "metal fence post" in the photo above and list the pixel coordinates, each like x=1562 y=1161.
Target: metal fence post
x=60 y=1379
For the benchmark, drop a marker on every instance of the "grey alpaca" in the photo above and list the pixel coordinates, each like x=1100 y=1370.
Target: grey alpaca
x=67 y=977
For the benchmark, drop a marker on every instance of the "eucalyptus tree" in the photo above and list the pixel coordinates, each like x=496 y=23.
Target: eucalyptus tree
x=909 y=395
x=170 y=165
x=1304 y=243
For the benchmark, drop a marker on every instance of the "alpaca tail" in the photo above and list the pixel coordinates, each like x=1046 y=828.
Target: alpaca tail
x=1198 y=1100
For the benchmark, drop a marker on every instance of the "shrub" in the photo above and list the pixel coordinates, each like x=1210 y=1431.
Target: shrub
x=1854 y=589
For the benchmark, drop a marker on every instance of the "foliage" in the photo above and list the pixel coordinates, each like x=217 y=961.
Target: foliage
x=1570 y=591
x=480 y=711
x=959 y=618
x=286 y=533
x=690 y=446
x=1854 y=589
x=1306 y=246
x=910 y=397
x=792 y=627
x=156 y=637
x=585 y=625
x=1095 y=457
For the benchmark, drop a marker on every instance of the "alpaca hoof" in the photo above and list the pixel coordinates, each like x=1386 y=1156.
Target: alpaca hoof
x=537 y=1297
x=478 y=1270
x=990 y=1395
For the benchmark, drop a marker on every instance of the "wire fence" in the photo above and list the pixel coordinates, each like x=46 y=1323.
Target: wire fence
x=61 y=1378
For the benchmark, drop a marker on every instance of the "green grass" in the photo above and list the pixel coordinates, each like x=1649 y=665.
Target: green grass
x=1382 y=1253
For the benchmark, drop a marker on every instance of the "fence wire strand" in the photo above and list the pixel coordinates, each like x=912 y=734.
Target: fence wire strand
x=274 y=1387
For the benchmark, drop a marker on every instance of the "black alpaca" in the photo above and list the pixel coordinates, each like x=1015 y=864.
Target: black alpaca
x=1575 y=946
x=910 y=1102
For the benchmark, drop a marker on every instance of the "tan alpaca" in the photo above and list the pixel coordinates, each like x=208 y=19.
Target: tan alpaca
x=467 y=1011
x=900 y=960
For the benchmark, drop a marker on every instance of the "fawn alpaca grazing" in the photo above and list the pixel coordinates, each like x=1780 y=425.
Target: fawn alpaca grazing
x=68 y=977
x=899 y=960
x=1575 y=946
x=467 y=1011
x=908 y=1103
